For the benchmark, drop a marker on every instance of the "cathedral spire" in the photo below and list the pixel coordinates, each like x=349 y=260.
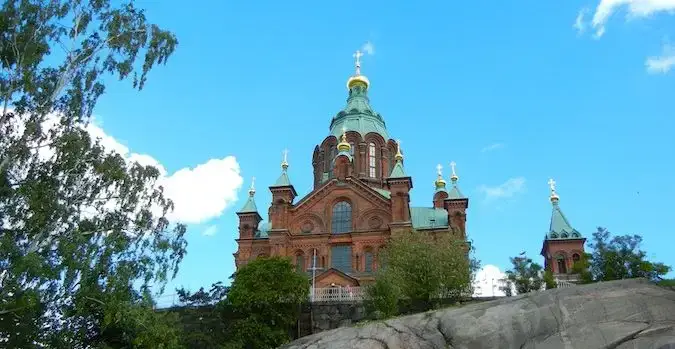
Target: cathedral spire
x=357 y=78
x=249 y=206
x=560 y=227
x=397 y=171
x=344 y=146
x=454 y=192
x=283 y=179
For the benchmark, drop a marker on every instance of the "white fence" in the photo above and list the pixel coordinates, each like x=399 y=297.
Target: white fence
x=565 y=283
x=337 y=294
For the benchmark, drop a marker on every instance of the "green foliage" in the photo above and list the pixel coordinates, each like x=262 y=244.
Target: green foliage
x=525 y=276
x=619 y=257
x=265 y=297
x=383 y=297
x=205 y=317
x=423 y=268
x=549 y=280
x=79 y=225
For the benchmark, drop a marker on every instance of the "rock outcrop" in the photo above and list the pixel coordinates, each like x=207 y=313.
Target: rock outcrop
x=626 y=314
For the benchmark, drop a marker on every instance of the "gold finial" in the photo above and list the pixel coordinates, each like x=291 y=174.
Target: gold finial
x=344 y=146
x=251 y=191
x=399 y=155
x=554 y=196
x=357 y=76
x=454 y=177
x=440 y=182
x=284 y=162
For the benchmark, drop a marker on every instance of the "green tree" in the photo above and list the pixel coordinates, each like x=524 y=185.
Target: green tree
x=549 y=280
x=382 y=297
x=619 y=257
x=525 y=275
x=78 y=224
x=423 y=268
x=265 y=298
x=205 y=317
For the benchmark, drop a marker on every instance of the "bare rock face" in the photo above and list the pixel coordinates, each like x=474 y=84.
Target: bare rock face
x=626 y=314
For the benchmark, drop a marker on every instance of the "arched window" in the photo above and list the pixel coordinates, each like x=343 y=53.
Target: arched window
x=563 y=235
x=369 y=262
x=562 y=266
x=300 y=263
x=342 y=218
x=554 y=236
x=351 y=149
x=576 y=257
x=371 y=161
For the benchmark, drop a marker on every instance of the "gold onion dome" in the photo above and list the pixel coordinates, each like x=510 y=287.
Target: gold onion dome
x=440 y=182
x=344 y=146
x=399 y=155
x=358 y=78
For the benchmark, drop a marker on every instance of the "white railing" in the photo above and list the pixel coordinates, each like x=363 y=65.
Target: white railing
x=337 y=294
x=565 y=283
x=353 y=294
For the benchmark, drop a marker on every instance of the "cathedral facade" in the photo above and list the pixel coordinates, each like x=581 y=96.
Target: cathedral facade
x=360 y=197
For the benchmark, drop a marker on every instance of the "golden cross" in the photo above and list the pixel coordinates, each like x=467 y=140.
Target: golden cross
x=452 y=165
x=357 y=56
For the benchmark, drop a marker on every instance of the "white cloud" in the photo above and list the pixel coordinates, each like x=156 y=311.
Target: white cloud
x=210 y=230
x=199 y=194
x=507 y=189
x=368 y=48
x=636 y=8
x=486 y=283
x=492 y=147
x=663 y=63
x=579 y=24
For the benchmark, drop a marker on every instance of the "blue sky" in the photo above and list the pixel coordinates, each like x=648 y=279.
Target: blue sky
x=514 y=92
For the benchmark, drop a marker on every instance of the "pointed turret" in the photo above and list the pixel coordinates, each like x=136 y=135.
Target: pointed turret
x=398 y=171
x=249 y=218
x=456 y=203
x=283 y=194
x=399 y=184
x=563 y=245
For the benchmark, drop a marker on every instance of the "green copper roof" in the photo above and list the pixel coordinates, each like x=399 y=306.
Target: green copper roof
x=398 y=171
x=428 y=217
x=263 y=229
x=283 y=180
x=249 y=206
x=385 y=193
x=358 y=116
x=560 y=227
x=454 y=193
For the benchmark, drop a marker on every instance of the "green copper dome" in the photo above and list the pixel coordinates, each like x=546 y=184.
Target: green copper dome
x=358 y=115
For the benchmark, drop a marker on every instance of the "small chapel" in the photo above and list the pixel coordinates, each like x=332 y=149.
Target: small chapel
x=360 y=197
x=563 y=245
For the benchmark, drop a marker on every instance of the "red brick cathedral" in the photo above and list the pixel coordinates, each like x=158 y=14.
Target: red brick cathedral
x=361 y=196
x=563 y=245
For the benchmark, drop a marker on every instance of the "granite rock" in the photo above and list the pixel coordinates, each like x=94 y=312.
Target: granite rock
x=626 y=314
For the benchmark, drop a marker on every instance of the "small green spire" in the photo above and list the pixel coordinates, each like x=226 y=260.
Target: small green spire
x=283 y=180
x=249 y=206
x=398 y=171
x=560 y=227
x=454 y=191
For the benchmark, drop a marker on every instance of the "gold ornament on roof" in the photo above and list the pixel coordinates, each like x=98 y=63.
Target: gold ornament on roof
x=399 y=155
x=454 y=177
x=440 y=182
x=251 y=190
x=284 y=162
x=554 y=196
x=357 y=78
x=344 y=146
